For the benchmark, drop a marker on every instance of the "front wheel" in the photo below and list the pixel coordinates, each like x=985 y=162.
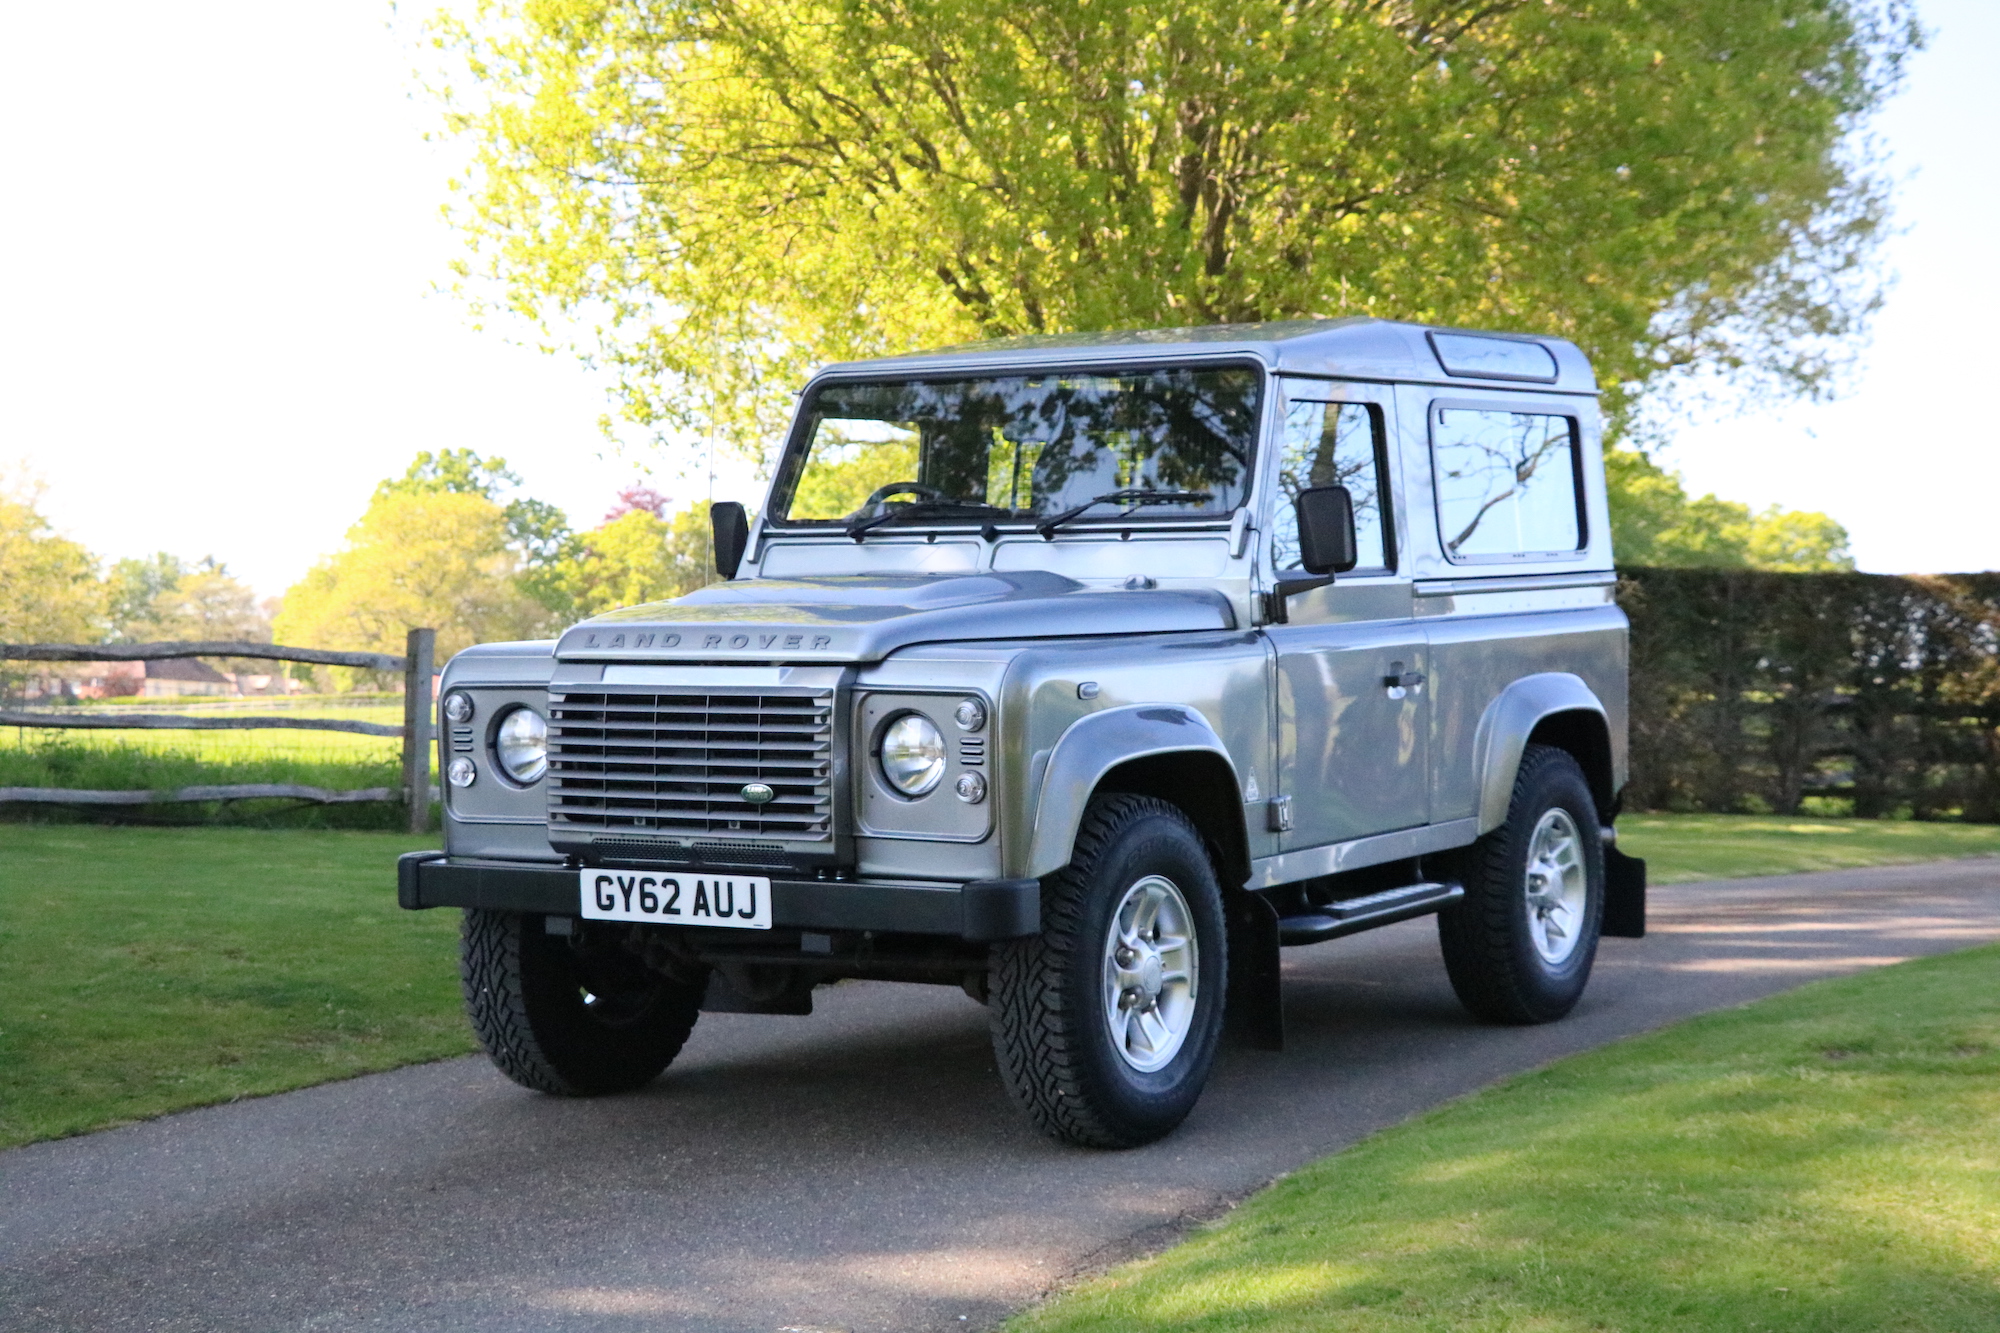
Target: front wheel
x=1519 y=946
x=564 y=1018
x=1106 y=1024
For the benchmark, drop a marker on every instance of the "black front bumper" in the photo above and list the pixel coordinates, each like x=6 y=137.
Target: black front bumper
x=990 y=909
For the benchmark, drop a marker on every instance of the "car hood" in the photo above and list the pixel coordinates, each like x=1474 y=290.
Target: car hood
x=865 y=618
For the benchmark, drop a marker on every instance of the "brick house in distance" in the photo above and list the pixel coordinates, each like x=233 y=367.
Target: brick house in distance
x=166 y=678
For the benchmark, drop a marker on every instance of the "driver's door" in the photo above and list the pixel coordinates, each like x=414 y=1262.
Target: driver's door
x=1353 y=710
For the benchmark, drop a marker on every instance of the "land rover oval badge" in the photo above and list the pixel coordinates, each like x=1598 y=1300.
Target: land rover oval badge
x=757 y=793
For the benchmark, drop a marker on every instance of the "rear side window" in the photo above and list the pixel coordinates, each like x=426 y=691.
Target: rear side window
x=1333 y=444
x=1507 y=483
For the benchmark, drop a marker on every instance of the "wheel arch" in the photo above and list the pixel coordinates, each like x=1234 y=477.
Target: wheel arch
x=1168 y=751
x=1550 y=708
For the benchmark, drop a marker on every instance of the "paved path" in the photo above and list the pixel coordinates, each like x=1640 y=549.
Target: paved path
x=857 y=1170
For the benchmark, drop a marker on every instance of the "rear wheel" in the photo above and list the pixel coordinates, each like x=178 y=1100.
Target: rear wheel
x=1106 y=1023
x=1520 y=945
x=564 y=1019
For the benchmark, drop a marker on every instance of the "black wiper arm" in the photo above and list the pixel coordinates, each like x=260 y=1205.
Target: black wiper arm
x=1131 y=495
x=860 y=527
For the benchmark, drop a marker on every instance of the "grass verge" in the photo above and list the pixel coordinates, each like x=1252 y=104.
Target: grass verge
x=147 y=970
x=1822 y=1160
x=1679 y=848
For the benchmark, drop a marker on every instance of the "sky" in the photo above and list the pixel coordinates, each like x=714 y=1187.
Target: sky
x=224 y=321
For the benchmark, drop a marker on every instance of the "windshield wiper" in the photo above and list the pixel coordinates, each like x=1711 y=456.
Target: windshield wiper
x=1132 y=495
x=860 y=527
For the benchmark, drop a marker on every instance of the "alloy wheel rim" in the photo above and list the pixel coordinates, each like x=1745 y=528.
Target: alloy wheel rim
x=1557 y=886
x=1151 y=974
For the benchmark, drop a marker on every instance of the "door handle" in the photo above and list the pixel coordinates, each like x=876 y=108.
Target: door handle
x=1399 y=679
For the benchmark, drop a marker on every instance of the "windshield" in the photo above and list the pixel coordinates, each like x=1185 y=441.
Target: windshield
x=1171 y=443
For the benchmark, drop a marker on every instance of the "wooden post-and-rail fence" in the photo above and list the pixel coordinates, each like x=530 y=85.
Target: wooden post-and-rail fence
x=416 y=666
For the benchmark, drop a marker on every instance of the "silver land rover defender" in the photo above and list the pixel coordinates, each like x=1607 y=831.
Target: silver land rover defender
x=1083 y=673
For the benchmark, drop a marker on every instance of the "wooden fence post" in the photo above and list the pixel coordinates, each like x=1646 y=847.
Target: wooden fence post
x=420 y=652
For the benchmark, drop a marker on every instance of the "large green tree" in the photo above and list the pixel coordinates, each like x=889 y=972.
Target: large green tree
x=1655 y=522
x=441 y=556
x=537 y=531
x=49 y=590
x=641 y=555
x=710 y=194
x=161 y=596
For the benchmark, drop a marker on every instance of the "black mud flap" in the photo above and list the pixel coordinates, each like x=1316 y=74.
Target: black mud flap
x=1256 y=1011
x=1624 y=895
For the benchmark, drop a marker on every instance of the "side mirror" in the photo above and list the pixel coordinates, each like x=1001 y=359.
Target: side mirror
x=730 y=529
x=1327 y=544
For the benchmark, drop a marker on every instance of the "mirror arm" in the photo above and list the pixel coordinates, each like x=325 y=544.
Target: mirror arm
x=1284 y=588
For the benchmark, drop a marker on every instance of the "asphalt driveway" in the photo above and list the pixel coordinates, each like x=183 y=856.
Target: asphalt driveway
x=856 y=1170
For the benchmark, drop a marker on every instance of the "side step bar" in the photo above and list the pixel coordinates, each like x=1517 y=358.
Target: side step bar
x=1355 y=915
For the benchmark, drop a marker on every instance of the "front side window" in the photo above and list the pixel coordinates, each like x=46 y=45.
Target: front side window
x=1332 y=444
x=1507 y=483
x=1168 y=443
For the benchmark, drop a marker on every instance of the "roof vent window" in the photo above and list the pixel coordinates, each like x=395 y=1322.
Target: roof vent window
x=1494 y=358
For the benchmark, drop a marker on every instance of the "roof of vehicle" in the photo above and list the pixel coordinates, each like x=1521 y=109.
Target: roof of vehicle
x=1354 y=348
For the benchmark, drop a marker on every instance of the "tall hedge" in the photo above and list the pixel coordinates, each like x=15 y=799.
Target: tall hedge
x=1756 y=690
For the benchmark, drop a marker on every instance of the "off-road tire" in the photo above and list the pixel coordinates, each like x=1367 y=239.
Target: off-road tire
x=525 y=993
x=1050 y=1032
x=1489 y=951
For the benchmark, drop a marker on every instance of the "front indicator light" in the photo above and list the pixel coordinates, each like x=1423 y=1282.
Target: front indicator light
x=521 y=744
x=912 y=755
x=971 y=788
x=461 y=773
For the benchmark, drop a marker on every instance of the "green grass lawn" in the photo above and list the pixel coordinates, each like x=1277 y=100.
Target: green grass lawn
x=164 y=760
x=143 y=970
x=227 y=747
x=1679 y=848
x=1822 y=1161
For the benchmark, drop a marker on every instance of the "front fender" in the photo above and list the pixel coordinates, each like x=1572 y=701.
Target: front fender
x=1505 y=727
x=1093 y=746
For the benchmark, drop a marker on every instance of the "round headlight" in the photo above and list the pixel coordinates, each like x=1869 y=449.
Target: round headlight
x=522 y=745
x=912 y=755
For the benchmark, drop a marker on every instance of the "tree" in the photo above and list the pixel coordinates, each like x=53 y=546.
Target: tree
x=436 y=557
x=639 y=556
x=133 y=589
x=1791 y=541
x=638 y=496
x=49 y=590
x=537 y=531
x=1653 y=522
x=163 y=597
x=719 y=192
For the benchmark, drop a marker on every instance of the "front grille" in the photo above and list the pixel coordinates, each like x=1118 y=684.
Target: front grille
x=676 y=764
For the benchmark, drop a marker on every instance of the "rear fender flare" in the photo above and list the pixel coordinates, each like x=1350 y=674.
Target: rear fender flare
x=1507 y=724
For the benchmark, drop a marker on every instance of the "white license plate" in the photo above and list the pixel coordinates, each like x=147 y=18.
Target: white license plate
x=677 y=899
